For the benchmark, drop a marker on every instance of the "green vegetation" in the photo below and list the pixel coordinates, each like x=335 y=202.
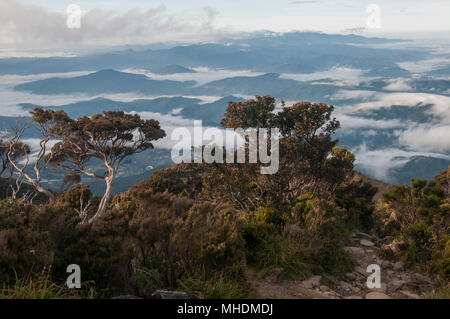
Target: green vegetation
x=205 y=229
x=418 y=215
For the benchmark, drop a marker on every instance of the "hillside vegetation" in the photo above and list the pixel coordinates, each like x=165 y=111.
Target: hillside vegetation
x=211 y=230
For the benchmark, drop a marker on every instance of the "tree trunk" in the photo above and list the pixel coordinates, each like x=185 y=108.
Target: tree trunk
x=46 y=192
x=106 y=197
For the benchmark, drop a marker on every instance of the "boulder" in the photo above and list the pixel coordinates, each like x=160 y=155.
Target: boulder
x=399 y=266
x=396 y=284
x=366 y=243
x=313 y=282
x=383 y=288
x=164 y=294
x=422 y=279
x=377 y=295
x=357 y=251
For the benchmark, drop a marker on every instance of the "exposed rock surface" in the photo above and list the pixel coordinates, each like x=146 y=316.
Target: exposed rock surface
x=396 y=280
x=164 y=294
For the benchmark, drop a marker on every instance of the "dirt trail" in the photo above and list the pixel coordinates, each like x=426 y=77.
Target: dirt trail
x=396 y=280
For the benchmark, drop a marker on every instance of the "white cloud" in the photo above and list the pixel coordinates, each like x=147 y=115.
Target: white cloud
x=379 y=162
x=171 y=122
x=203 y=74
x=424 y=65
x=31 y=25
x=427 y=137
x=400 y=84
x=349 y=123
x=345 y=76
x=376 y=100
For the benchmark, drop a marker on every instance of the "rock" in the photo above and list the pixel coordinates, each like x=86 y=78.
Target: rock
x=399 y=266
x=366 y=243
x=273 y=274
x=164 y=294
x=331 y=295
x=383 y=288
x=312 y=282
x=345 y=285
x=127 y=297
x=350 y=276
x=406 y=276
x=409 y=294
x=422 y=279
x=377 y=295
x=357 y=251
x=385 y=264
x=367 y=236
x=396 y=284
x=361 y=271
x=390 y=272
x=324 y=288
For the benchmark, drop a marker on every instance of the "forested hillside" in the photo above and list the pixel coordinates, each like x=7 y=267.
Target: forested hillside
x=216 y=230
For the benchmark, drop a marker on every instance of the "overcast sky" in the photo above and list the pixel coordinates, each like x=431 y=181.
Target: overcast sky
x=35 y=23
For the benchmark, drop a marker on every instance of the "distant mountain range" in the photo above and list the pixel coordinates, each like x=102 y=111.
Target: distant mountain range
x=374 y=75
x=298 y=52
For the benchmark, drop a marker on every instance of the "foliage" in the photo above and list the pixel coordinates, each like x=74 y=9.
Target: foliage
x=419 y=214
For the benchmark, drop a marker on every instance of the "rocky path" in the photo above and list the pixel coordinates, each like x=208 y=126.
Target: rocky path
x=396 y=280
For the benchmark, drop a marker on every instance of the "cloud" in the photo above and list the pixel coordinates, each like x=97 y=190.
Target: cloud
x=375 y=100
x=427 y=137
x=203 y=75
x=400 y=84
x=379 y=162
x=349 y=123
x=10 y=98
x=424 y=65
x=32 y=25
x=171 y=122
x=345 y=76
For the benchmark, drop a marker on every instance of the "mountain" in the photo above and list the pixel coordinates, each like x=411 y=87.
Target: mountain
x=209 y=113
x=105 y=81
x=174 y=69
x=419 y=167
x=297 y=52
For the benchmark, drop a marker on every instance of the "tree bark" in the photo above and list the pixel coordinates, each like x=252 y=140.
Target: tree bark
x=33 y=182
x=106 y=197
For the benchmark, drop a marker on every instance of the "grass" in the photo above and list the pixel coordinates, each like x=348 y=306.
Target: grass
x=42 y=287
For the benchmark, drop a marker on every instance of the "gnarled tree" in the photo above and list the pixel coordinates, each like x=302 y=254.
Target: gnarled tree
x=109 y=137
x=16 y=151
x=51 y=125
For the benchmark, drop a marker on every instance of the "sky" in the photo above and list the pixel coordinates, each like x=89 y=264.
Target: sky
x=42 y=23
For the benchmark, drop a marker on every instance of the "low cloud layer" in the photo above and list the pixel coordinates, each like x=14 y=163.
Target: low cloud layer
x=374 y=100
x=427 y=137
x=379 y=162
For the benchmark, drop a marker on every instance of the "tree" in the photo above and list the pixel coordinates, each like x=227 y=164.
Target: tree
x=16 y=151
x=109 y=137
x=51 y=125
x=309 y=159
